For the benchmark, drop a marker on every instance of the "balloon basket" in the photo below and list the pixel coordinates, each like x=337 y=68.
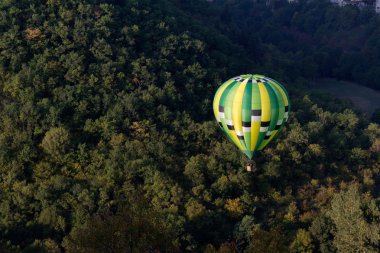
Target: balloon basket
x=250 y=167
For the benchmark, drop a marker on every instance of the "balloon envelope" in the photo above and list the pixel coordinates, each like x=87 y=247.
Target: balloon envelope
x=251 y=109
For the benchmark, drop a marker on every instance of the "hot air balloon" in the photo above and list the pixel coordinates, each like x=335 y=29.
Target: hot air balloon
x=251 y=110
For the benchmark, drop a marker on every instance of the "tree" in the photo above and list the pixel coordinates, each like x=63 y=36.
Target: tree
x=7 y=247
x=243 y=232
x=55 y=142
x=376 y=116
x=267 y=241
x=302 y=242
x=134 y=228
x=321 y=230
x=357 y=227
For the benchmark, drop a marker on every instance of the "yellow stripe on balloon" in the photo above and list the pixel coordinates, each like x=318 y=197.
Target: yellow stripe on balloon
x=255 y=125
x=218 y=95
x=265 y=103
x=286 y=102
x=229 y=104
x=237 y=105
x=267 y=141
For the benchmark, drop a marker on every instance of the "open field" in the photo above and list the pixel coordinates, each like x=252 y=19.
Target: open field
x=366 y=99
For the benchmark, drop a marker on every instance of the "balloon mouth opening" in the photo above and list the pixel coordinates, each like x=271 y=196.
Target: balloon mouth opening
x=250 y=154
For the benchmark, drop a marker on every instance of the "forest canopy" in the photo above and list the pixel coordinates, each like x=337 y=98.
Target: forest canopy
x=106 y=128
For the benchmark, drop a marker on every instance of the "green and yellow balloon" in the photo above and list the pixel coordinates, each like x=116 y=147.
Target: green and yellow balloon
x=251 y=109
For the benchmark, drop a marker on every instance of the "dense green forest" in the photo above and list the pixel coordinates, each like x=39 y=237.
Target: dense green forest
x=305 y=38
x=108 y=141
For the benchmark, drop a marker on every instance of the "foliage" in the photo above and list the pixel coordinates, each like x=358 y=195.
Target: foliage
x=105 y=100
x=267 y=241
x=134 y=228
x=55 y=142
x=357 y=222
x=302 y=242
x=306 y=38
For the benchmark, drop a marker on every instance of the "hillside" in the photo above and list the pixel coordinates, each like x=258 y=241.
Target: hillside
x=306 y=39
x=108 y=142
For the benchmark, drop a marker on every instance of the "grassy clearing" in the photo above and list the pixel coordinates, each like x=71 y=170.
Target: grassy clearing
x=364 y=98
